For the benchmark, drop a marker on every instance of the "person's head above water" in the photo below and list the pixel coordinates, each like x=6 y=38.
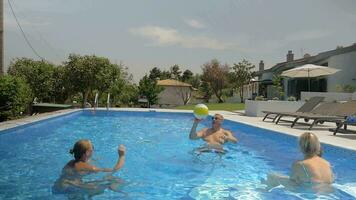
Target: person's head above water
x=217 y=120
x=82 y=150
x=309 y=144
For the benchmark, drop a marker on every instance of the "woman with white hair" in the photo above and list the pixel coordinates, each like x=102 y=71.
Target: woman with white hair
x=313 y=169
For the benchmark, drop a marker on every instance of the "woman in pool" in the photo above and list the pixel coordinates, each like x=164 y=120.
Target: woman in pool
x=71 y=181
x=312 y=170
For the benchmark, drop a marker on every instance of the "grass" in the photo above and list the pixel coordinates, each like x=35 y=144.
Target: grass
x=216 y=106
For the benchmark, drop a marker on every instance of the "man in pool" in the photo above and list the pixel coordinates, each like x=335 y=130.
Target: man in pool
x=215 y=136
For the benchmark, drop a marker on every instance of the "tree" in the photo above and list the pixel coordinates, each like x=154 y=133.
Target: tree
x=187 y=76
x=155 y=73
x=123 y=91
x=80 y=73
x=37 y=74
x=60 y=91
x=88 y=73
x=129 y=95
x=175 y=72
x=206 y=90
x=215 y=74
x=15 y=97
x=241 y=76
x=149 y=89
x=165 y=75
x=114 y=80
x=195 y=81
x=277 y=84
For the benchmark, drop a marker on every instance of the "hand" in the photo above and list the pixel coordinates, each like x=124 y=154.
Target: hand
x=196 y=120
x=121 y=150
x=222 y=139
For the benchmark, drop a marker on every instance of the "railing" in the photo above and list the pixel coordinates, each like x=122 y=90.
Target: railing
x=96 y=101
x=108 y=102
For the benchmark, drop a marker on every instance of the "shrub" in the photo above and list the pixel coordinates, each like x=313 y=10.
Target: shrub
x=346 y=88
x=15 y=97
x=292 y=98
x=39 y=75
x=259 y=98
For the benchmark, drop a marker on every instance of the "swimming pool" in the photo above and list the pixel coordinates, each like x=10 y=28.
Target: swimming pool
x=159 y=162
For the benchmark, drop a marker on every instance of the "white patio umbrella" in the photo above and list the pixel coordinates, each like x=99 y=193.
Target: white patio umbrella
x=309 y=71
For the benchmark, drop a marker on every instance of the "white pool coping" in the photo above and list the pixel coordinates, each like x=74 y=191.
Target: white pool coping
x=346 y=141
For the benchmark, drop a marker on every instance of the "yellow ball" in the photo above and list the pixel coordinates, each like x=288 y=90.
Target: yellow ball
x=201 y=111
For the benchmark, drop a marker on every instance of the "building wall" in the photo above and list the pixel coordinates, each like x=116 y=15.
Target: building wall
x=172 y=95
x=347 y=64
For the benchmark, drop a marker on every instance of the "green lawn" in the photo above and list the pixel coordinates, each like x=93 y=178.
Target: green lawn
x=217 y=106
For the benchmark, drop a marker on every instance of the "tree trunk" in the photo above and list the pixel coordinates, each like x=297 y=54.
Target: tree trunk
x=186 y=97
x=85 y=98
x=218 y=95
x=241 y=95
x=220 y=100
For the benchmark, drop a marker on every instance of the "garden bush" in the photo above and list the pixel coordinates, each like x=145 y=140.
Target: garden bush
x=15 y=97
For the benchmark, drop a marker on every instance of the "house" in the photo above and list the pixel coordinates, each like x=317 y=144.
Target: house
x=343 y=58
x=175 y=92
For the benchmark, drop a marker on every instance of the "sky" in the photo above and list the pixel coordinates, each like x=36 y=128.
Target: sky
x=143 y=34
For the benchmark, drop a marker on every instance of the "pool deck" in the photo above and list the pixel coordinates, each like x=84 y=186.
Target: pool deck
x=347 y=141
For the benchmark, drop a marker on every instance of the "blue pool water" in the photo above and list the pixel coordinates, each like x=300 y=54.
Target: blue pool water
x=159 y=162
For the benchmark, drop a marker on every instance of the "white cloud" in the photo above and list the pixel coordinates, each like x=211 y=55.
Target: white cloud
x=25 y=18
x=194 y=23
x=11 y=23
x=167 y=36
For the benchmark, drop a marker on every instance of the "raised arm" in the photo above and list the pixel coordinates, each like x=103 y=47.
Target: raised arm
x=194 y=135
x=120 y=162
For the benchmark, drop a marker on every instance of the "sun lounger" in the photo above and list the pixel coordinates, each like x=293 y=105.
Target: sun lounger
x=349 y=120
x=306 y=107
x=344 y=123
x=326 y=112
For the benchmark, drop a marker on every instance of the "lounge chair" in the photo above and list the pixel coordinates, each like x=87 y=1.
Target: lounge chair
x=326 y=112
x=348 y=110
x=306 y=107
x=344 y=123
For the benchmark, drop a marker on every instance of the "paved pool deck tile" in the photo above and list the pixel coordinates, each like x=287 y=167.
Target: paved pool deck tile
x=347 y=141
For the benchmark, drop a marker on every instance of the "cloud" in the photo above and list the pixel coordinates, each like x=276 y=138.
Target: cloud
x=11 y=23
x=194 y=23
x=163 y=36
x=26 y=18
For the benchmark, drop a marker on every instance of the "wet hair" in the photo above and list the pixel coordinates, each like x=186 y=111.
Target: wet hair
x=79 y=149
x=309 y=144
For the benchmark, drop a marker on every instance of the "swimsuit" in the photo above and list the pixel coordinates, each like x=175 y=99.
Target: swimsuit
x=210 y=150
x=308 y=181
x=305 y=171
